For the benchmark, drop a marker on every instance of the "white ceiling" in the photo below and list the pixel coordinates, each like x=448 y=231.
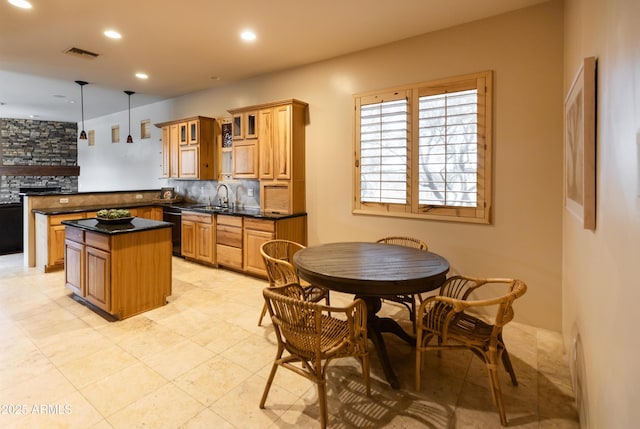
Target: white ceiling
x=181 y=45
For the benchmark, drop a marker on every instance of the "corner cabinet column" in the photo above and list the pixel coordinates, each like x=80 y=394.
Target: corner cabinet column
x=274 y=152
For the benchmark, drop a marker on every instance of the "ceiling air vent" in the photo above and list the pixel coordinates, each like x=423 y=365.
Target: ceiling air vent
x=81 y=53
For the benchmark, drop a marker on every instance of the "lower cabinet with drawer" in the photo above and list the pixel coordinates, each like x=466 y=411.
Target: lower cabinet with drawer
x=257 y=231
x=229 y=241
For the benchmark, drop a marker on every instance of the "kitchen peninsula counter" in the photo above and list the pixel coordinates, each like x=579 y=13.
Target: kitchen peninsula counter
x=121 y=269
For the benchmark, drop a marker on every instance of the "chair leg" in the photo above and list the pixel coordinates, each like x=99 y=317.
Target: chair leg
x=322 y=400
x=496 y=393
x=507 y=361
x=264 y=311
x=364 y=362
x=420 y=341
x=274 y=368
x=507 y=365
x=418 y=366
x=413 y=313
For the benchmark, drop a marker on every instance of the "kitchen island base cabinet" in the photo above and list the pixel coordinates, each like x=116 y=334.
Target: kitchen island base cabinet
x=122 y=274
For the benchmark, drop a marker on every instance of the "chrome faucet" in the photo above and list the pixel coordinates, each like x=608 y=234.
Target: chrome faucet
x=224 y=202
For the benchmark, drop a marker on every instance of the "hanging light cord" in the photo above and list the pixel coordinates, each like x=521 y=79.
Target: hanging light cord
x=82 y=104
x=129 y=138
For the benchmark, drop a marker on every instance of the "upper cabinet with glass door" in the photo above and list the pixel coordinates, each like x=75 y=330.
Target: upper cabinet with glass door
x=245 y=143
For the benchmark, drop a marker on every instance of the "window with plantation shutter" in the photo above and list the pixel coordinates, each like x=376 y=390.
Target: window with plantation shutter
x=424 y=150
x=383 y=151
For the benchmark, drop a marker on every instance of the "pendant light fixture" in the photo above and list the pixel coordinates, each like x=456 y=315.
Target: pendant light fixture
x=129 y=138
x=83 y=134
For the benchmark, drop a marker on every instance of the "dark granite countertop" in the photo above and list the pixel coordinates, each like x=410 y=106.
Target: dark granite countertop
x=88 y=208
x=46 y=193
x=136 y=224
x=194 y=207
x=245 y=212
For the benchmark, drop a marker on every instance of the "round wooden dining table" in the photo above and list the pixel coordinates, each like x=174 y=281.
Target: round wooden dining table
x=372 y=271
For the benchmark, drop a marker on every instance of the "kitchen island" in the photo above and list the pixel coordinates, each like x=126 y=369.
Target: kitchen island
x=120 y=269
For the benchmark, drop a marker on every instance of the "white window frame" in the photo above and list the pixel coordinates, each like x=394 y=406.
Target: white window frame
x=411 y=208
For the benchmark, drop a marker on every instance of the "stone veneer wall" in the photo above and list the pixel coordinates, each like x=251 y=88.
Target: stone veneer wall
x=29 y=142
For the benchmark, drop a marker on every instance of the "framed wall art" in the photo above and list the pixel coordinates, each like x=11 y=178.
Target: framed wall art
x=580 y=145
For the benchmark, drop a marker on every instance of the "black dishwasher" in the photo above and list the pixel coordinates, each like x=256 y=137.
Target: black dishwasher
x=11 y=221
x=174 y=215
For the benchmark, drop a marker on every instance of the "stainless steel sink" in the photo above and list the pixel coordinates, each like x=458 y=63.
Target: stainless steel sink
x=213 y=208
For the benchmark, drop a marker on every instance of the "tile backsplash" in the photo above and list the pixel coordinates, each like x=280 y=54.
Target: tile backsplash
x=242 y=193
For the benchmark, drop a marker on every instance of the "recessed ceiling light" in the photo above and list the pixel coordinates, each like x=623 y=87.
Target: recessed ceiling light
x=34 y=116
x=142 y=75
x=248 y=35
x=113 y=34
x=24 y=4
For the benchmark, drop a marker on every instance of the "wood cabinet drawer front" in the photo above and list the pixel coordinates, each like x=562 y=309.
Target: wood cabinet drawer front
x=197 y=217
x=74 y=234
x=229 y=256
x=99 y=241
x=260 y=225
x=230 y=220
x=229 y=235
x=57 y=219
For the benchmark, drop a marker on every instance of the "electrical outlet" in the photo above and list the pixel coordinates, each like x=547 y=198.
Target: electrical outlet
x=64 y=200
x=139 y=196
x=250 y=192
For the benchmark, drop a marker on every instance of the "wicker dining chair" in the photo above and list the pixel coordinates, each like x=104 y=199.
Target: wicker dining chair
x=446 y=317
x=313 y=334
x=278 y=261
x=408 y=301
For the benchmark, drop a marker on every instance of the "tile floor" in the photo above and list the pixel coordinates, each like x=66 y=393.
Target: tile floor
x=201 y=362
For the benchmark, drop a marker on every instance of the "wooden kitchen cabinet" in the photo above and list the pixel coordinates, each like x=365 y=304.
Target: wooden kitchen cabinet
x=225 y=149
x=182 y=133
x=170 y=151
x=245 y=143
x=149 y=212
x=237 y=239
x=122 y=274
x=257 y=231
x=229 y=242
x=279 y=129
x=276 y=156
x=74 y=264
x=282 y=158
x=189 y=147
x=245 y=125
x=198 y=237
x=98 y=276
x=245 y=159
x=50 y=235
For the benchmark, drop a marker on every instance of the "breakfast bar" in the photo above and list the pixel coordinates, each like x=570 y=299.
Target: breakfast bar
x=118 y=269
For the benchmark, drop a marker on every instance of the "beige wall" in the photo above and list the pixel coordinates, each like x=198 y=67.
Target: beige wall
x=601 y=285
x=524 y=49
